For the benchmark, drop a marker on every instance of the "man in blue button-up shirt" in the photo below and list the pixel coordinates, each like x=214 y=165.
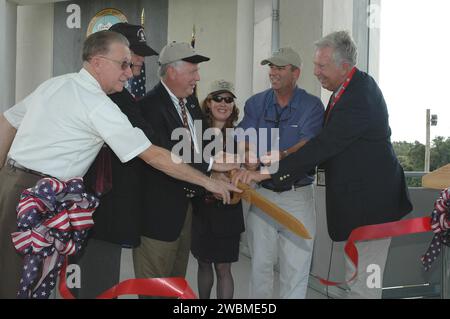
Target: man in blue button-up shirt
x=287 y=115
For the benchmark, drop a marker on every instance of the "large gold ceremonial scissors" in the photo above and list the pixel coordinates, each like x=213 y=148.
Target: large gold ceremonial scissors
x=274 y=211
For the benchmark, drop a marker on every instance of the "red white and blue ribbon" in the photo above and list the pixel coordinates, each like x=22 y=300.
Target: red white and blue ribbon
x=440 y=226
x=53 y=218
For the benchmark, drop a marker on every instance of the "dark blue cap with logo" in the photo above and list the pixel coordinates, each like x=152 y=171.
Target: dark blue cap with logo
x=136 y=36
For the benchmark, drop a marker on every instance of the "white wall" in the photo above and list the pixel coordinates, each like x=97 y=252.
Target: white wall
x=34 y=47
x=300 y=27
x=215 y=22
x=7 y=54
x=217 y=35
x=337 y=15
x=302 y=22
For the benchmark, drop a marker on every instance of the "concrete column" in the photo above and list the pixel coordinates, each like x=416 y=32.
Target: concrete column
x=366 y=32
x=275 y=25
x=374 y=39
x=244 y=50
x=361 y=32
x=262 y=44
x=300 y=27
x=337 y=16
x=8 y=21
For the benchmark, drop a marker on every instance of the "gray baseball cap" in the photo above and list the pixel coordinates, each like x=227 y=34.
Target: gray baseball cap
x=177 y=51
x=221 y=86
x=283 y=57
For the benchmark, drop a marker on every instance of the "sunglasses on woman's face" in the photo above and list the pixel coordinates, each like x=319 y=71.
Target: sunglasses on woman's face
x=219 y=99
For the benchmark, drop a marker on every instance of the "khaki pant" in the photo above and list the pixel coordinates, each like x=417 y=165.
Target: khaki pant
x=12 y=183
x=269 y=242
x=159 y=259
x=374 y=252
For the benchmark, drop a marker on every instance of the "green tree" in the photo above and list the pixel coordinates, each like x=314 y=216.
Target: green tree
x=440 y=153
x=416 y=156
x=412 y=156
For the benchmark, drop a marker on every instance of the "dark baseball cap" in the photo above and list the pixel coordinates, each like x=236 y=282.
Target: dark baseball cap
x=136 y=36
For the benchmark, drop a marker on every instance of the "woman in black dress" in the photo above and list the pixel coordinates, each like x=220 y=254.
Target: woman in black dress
x=216 y=228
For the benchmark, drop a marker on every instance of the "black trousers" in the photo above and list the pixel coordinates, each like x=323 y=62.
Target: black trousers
x=99 y=265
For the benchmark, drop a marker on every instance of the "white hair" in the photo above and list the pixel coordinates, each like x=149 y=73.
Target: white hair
x=345 y=50
x=162 y=69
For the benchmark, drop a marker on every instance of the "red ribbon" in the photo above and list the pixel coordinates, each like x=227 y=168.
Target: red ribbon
x=161 y=287
x=372 y=232
x=337 y=97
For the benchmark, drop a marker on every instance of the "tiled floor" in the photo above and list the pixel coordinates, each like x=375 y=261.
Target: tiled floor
x=240 y=271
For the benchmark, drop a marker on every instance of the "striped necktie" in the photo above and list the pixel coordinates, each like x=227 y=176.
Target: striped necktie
x=183 y=113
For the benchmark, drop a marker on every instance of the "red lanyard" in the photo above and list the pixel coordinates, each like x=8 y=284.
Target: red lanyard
x=341 y=91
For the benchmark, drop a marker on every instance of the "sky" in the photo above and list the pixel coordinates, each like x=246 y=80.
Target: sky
x=415 y=66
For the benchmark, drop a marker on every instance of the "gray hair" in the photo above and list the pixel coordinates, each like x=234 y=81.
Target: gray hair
x=345 y=50
x=162 y=69
x=99 y=43
x=293 y=67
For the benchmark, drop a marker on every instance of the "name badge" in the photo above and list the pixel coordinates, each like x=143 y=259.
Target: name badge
x=321 y=177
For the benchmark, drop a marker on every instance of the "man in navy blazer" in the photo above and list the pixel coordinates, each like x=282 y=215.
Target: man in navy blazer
x=170 y=108
x=365 y=183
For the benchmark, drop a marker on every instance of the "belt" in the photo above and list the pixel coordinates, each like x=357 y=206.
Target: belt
x=13 y=164
x=282 y=189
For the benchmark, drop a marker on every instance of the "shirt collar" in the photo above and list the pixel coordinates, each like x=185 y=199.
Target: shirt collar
x=89 y=78
x=290 y=104
x=173 y=97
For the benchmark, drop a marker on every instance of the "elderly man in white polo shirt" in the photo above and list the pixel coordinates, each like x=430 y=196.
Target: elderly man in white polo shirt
x=59 y=129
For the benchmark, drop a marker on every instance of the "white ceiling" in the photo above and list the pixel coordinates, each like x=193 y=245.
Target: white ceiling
x=24 y=2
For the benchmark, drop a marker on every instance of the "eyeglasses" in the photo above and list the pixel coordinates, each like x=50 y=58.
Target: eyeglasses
x=123 y=64
x=136 y=65
x=219 y=99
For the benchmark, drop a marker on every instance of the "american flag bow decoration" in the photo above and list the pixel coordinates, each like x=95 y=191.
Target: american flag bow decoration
x=53 y=218
x=440 y=226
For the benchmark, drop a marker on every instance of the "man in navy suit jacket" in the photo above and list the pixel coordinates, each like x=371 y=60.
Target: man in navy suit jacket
x=365 y=183
x=165 y=221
